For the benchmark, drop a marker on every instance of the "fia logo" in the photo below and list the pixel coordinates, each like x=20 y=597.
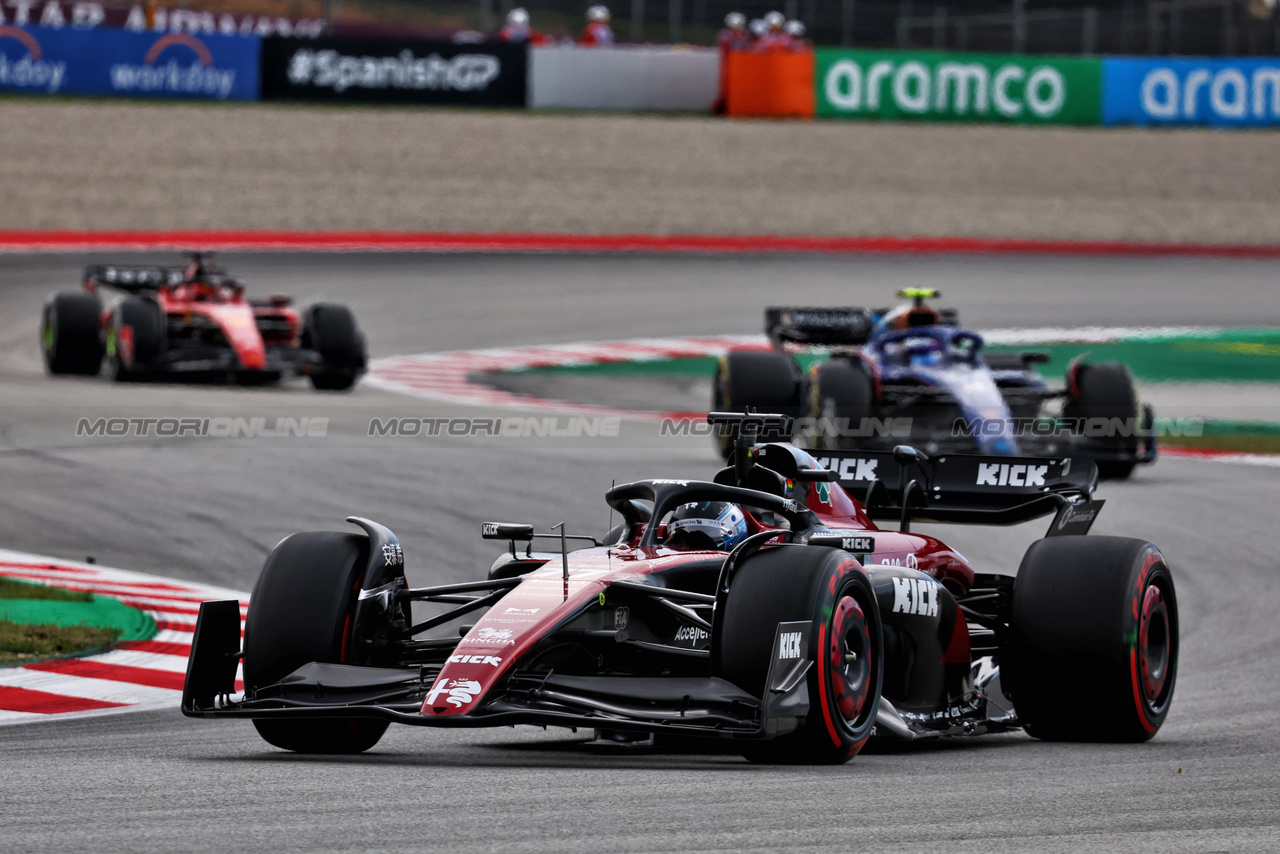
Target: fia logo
x=621 y=615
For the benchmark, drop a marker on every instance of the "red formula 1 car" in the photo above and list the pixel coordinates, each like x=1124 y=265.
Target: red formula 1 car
x=765 y=607
x=196 y=322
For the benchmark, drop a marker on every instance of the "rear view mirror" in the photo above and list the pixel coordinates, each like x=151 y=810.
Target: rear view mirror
x=506 y=531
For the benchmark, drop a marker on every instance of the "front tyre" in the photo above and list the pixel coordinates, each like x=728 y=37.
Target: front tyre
x=829 y=588
x=301 y=610
x=331 y=331
x=135 y=339
x=1092 y=653
x=1104 y=395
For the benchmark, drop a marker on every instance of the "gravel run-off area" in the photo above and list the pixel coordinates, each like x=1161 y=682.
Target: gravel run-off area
x=106 y=166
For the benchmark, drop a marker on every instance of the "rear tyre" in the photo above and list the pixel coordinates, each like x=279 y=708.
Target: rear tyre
x=1105 y=391
x=135 y=338
x=829 y=588
x=332 y=332
x=71 y=334
x=1092 y=653
x=841 y=390
x=766 y=381
x=300 y=611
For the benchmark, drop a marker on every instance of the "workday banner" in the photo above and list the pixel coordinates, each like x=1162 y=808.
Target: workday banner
x=48 y=61
x=1218 y=92
x=957 y=87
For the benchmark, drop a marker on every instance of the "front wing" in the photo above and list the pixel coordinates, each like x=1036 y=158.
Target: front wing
x=695 y=706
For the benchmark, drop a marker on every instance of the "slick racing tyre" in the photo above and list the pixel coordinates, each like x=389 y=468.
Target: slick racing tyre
x=135 y=338
x=331 y=331
x=842 y=393
x=300 y=611
x=829 y=588
x=71 y=334
x=1092 y=652
x=1105 y=392
x=767 y=382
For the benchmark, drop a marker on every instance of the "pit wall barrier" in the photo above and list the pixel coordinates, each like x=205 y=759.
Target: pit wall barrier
x=624 y=78
x=118 y=63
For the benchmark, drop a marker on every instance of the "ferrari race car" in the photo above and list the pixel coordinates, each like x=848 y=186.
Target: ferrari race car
x=195 y=322
x=783 y=619
x=913 y=370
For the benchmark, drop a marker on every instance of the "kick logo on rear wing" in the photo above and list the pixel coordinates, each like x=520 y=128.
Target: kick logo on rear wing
x=962 y=487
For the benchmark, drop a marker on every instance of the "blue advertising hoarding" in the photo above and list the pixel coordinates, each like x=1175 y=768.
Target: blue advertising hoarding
x=45 y=61
x=1165 y=91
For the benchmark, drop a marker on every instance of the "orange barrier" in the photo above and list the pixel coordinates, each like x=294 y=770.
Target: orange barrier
x=777 y=85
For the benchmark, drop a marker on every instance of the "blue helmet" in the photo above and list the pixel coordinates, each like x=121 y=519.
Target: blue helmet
x=714 y=525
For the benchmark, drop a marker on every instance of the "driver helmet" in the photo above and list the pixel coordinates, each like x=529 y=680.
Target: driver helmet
x=735 y=21
x=775 y=21
x=599 y=14
x=518 y=17
x=914 y=317
x=714 y=525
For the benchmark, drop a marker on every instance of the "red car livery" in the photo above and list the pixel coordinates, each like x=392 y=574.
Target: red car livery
x=195 y=321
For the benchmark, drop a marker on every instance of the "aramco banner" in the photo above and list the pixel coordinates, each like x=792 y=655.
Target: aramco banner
x=1243 y=92
x=957 y=87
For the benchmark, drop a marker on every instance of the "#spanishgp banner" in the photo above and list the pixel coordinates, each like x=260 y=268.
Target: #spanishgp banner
x=394 y=72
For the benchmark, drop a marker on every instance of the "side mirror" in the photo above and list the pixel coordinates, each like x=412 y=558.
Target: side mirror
x=506 y=531
x=1035 y=357
x=904 y=454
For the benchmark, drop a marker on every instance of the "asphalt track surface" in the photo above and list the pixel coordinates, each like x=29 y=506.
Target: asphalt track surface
x=209 y=510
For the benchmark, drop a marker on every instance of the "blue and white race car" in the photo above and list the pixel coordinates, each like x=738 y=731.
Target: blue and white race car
x=912 y=375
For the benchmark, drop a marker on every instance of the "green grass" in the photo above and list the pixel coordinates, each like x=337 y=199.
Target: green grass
x=20 y=644
x=12 y=589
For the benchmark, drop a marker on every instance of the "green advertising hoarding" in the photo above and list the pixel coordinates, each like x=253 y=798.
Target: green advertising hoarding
x=957 y=87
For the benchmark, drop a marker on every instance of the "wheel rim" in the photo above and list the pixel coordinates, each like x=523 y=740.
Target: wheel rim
x=1154 y=646
x=849 y=656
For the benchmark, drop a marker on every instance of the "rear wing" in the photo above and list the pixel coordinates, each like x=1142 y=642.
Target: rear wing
x=809 y=325
x=131 y=279
x=968 y=488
